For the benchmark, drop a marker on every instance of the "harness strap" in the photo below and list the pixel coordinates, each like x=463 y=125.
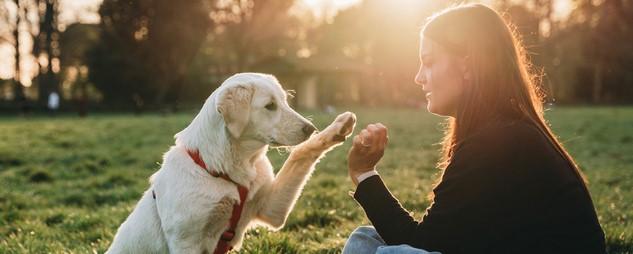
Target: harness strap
x=227 y=236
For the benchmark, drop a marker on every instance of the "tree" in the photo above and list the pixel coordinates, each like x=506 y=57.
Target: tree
x=75 y=42
x=384 y=36
x=249 y=32
x=18 y=88
x=46 y=46
x=590 y=53
x=146 y=48
x=149 y=49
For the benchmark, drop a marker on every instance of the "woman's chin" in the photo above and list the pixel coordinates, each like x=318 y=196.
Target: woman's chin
x=433 y=109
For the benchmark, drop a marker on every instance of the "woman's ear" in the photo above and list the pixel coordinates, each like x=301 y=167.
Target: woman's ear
x=234 y=104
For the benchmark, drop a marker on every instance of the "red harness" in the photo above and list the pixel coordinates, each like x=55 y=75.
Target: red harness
x=228 y=235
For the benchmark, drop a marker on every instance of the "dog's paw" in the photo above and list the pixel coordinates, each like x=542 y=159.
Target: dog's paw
x=346 y=123
x=338 y=130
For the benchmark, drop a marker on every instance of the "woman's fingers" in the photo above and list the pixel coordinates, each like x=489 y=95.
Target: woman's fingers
x=379 y=133
x=382 y=129
x=371 y=139
x=357 y=142
x=366 y=138
x=357 y=145
x=367 y=149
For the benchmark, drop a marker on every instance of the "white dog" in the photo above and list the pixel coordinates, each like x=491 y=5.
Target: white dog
x=216 y=182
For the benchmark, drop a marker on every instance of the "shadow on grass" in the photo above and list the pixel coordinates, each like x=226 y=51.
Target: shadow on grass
x=619 y=246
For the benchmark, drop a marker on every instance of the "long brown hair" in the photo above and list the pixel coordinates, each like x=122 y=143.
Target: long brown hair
x=503 y=84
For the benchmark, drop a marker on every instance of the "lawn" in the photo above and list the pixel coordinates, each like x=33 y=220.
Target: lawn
x=67 y=183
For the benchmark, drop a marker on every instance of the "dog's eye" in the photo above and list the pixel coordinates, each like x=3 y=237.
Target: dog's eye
x=271 y=106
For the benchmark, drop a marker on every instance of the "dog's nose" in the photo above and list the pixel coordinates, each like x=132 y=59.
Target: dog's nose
x=308 y=129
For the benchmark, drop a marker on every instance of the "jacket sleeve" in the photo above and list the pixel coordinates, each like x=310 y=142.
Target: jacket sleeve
x=455 y=220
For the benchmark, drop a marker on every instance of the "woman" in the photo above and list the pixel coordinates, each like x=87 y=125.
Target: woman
x=508 y=185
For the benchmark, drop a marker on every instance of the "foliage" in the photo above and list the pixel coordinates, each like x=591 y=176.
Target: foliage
x=146 y=48
x=153 y=51
x=384 y=39
x=590 y=57
x=160 y=53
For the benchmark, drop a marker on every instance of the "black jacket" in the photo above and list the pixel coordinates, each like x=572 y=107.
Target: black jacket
x=506 y=190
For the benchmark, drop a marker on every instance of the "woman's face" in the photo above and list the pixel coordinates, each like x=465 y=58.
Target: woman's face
x=441 y=78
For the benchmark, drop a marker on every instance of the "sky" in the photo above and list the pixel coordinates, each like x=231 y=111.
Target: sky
x=84 y=11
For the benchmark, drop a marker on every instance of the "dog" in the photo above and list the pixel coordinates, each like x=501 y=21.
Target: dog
x=216 y=181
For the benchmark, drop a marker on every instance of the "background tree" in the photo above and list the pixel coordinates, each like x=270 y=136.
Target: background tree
x=149 y=49
x=45 y=44
x=249 y=31
x=146 y=48
x=159 y=53
x=18 y=88
x=588 y=55
x=249 y=35
x=75 y=43
x=46 y=48
x=385 y=38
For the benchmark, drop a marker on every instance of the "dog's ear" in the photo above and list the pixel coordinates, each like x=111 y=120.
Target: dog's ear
x=234 y=105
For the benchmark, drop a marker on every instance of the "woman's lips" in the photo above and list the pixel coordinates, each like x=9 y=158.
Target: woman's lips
x=428 y=95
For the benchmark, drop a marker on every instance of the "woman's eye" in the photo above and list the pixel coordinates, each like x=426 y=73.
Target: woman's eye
x=271 y=106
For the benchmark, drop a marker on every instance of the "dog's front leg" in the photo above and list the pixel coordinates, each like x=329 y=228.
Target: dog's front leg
x=286 y=187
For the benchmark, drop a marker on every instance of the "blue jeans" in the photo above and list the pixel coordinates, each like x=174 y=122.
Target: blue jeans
x=365 y=239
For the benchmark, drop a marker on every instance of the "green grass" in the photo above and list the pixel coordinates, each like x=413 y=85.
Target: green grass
x=67 y=183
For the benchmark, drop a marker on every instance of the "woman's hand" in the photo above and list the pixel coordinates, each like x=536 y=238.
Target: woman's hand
x=367 y=149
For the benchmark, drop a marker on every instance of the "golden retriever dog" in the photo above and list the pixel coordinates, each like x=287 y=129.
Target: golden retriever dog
x=216 y=181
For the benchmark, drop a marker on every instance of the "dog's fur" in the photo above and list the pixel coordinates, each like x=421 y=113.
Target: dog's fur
x=232 y=133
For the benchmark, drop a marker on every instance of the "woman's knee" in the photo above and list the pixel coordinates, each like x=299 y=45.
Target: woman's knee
x=363 y=239
x=365 y=230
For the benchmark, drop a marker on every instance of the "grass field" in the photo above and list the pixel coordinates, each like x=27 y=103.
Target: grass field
x=67 y=183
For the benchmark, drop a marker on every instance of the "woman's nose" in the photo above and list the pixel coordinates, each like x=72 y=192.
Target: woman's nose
x=420 y=79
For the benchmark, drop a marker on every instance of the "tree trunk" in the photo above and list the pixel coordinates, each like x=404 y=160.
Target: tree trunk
x=47 y=80
x=18 y=89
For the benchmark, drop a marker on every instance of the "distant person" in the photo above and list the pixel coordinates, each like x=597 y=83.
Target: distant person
x=329 y=109
x=53 y=103
x=508 y=185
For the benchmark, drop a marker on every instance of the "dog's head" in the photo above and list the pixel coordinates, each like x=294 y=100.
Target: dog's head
x=254 y=107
